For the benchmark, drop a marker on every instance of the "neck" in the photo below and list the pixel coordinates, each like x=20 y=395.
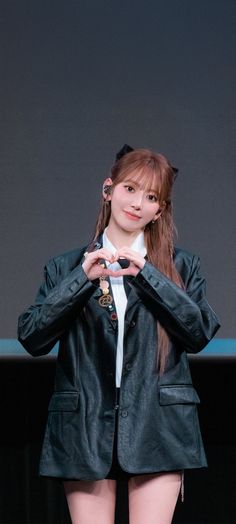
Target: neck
x=119 y=237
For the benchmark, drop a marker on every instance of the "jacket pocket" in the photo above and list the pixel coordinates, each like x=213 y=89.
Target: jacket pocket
x=178 y=395
x=64 y=401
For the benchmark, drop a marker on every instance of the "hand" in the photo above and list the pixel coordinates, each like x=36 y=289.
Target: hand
x=94 y=265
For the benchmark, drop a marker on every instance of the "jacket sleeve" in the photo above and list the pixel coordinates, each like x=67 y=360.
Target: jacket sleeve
x=184 y=313
x=42 y=324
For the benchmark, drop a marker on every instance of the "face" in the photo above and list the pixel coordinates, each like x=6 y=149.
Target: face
x=132 y=205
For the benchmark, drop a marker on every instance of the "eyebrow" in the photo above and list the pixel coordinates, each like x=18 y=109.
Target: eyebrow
x=134 y=182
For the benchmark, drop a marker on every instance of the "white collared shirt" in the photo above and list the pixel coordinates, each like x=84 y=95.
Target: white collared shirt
x=120 y=297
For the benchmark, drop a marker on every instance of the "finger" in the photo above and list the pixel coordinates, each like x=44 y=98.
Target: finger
x=137 y=260
x=100 y=254
x=105 y=254
x=133 y=257
x=126 y=252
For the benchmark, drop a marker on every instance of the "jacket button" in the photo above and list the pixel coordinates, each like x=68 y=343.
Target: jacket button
x=132 y=323
x=128 y=367
x=124 y=413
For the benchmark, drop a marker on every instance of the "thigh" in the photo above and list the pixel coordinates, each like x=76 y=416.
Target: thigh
x=91 y=501
x=152 y=498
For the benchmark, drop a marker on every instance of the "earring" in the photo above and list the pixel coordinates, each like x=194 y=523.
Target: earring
x=107 y=190
x=153 y=221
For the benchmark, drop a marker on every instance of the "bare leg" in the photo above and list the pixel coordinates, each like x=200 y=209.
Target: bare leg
x=91 y=502
x=152 y=498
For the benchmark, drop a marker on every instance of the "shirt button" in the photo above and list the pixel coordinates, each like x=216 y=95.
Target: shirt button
x=124 y=413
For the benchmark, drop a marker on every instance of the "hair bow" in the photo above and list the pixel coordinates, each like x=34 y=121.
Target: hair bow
x=127 y=149
x=123 y=151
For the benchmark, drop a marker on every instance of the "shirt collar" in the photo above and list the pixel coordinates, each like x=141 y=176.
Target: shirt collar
x=138 y=244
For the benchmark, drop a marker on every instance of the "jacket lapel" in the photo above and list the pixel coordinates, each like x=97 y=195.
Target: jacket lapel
x=132 y=296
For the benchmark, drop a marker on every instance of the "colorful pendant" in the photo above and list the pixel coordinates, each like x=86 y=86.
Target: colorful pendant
x=106 y=299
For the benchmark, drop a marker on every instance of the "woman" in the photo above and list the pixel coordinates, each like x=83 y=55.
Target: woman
x=126 y=310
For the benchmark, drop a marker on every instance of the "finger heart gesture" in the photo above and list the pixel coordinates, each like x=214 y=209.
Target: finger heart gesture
x=95 y=267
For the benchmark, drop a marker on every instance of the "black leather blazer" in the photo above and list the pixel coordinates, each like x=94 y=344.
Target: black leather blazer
x=158 y=427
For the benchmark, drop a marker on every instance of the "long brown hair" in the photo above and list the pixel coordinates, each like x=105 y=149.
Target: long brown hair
x=152 y=170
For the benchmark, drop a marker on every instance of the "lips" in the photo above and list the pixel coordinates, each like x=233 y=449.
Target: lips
x=132 y=216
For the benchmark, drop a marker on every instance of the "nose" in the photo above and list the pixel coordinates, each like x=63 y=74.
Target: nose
x=137 y=200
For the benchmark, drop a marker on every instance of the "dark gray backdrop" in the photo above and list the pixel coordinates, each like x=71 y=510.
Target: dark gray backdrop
x=80 y=78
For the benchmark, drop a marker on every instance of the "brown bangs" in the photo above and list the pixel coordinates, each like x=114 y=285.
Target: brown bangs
x=146 y=178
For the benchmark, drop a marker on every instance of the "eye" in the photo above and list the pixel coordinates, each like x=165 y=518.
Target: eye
x=152 y=198
x=130 y=189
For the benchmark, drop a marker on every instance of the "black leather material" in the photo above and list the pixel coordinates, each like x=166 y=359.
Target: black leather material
x=158 y=427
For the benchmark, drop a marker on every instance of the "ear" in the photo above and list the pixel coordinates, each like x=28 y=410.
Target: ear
x=107 y=188
x=159 y=212
x=157 y=215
